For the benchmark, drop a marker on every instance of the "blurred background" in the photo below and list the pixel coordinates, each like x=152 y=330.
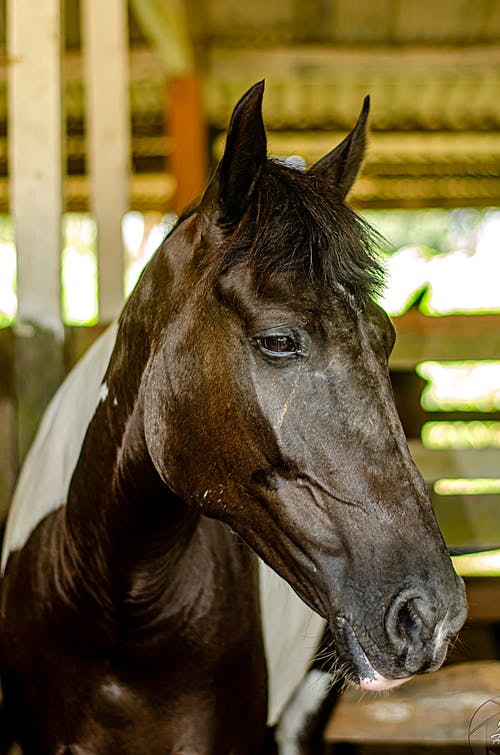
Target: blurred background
x=112 y=115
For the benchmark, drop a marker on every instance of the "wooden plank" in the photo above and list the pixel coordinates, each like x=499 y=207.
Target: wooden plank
x=189 y=156
x=456 y=337
x=482 y=596
x=8 y=456
x=435 y=464
x=39 y=369
x=35 y=153
x=149 y=191
x=446 y=416
x=105 y=52
x=469 y=522
x=430 y=709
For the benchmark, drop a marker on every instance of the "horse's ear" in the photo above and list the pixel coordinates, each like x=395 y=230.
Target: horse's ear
x=246 y=150
x=342 y=164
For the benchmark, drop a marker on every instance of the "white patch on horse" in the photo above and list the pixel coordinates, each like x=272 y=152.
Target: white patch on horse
x=292 y=632
x=43 y=483
x=103 y=393
x=306 y=699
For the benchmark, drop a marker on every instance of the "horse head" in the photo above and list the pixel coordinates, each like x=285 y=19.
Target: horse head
x=268 y=405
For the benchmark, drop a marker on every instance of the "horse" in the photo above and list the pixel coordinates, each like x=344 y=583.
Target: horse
x=246 y=413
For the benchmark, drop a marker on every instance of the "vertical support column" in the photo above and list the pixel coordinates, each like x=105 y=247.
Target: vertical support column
x=35 y=161
x=188 y=161
x=105 y=53
x=8 y=429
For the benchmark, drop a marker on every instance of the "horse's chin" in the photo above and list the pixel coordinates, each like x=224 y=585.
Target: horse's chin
x=368 y=678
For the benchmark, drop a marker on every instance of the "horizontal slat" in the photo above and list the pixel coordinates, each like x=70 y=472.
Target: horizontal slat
x=456 y=338
x=482 y=596
x=469 y=521
x=435 y=464
x=149 y=192
x=144 y=145
x=485 y=563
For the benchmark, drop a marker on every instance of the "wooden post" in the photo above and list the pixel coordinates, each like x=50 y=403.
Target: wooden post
x=105 y=53
x=35 y=159
x=8 y=428
x=188 y=161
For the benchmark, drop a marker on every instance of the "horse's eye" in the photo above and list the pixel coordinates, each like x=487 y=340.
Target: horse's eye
x=277 y=345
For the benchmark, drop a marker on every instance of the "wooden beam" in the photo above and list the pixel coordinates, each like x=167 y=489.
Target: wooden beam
x=468 y=522
x=35 y=155
x=435 y=464
x=152 y=191
x=188 y=160
x=105 y=52
x=482 y=595
x=457 y=337
x=35 y=129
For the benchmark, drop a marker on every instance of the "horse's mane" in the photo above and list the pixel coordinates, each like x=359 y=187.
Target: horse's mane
x=297 y=223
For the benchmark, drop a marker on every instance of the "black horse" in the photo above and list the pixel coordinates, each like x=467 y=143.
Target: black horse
x=246 y=410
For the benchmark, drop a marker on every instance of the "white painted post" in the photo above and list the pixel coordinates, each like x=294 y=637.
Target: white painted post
x=105 y=53
x=35 y=156
x=35 y=163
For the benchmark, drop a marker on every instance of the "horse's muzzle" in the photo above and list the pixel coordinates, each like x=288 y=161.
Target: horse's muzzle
x=415 y=640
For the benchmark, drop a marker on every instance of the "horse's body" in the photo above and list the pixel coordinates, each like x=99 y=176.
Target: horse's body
x=246 y=403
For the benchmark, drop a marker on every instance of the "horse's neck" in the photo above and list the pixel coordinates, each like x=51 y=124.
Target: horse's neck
x=154 y=566
x=127 y=533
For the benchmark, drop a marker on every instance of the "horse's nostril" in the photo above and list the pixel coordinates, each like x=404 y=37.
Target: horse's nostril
x=410 y=620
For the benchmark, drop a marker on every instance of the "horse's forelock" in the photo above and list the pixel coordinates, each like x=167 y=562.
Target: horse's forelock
x=297 y=224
